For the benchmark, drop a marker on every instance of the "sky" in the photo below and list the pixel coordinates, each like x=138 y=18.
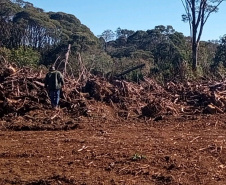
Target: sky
x=101 y=15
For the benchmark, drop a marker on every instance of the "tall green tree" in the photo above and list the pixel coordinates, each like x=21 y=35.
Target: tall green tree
x=7 y=11
x=220 y=56
x=197 y=13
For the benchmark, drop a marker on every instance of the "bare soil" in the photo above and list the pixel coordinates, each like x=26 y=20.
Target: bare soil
x=185 y=150
x=118 y=133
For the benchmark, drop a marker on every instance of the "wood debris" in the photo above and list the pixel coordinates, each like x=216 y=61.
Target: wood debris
x=22 y=91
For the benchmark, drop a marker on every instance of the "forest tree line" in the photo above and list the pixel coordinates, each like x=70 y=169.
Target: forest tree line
x=29 y=36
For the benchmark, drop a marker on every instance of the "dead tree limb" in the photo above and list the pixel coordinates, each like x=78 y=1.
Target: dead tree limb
x=66 y=59
x=129 y=70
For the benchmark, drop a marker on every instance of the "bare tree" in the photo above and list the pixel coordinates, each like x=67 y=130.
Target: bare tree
x=107 y=35
x=197 y=13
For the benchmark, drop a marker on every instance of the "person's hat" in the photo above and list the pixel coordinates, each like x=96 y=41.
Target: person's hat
x=52 y=68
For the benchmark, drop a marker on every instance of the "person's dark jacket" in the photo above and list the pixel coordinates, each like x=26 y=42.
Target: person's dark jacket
x=54 y=80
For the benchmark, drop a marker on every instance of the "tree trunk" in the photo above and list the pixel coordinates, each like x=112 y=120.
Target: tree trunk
x=105 y=46
x=194 y=56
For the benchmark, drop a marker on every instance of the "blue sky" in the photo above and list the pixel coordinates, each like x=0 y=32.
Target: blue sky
x=100 y=15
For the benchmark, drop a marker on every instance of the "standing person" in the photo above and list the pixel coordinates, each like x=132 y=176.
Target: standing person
x=53 y=83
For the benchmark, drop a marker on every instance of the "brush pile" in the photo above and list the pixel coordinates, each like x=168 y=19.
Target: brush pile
x=24 y=102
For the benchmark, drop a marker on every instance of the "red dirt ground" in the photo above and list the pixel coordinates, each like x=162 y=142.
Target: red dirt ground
x=177 y=151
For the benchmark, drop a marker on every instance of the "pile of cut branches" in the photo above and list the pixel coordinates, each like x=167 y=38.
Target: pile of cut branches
x=22 y=94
